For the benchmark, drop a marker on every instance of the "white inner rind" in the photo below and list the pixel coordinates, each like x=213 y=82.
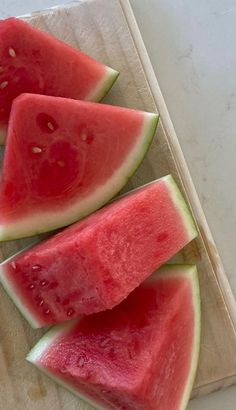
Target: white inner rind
x=197 y=338
x=96 y=94
x=188 y=271
x=55 y=332
x=103 y=86
x=35 y=354
x=44 y=221
x=182 y=206
x=9 y=288
x=32 y=318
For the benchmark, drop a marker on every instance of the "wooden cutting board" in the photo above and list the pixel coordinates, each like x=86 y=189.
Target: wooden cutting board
x=106 y=29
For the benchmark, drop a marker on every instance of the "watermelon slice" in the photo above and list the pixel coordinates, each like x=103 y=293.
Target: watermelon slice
x=100 y=259
x=140 y=355
x=34 y=61
x=66 y=158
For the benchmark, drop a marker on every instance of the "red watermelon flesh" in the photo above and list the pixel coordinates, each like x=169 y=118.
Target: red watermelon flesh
x=140 y=355
x=94 y=264
x=36 y=62
x=66 y=158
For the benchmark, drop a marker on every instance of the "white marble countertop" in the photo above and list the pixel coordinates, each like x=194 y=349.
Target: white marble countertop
x=193 y=50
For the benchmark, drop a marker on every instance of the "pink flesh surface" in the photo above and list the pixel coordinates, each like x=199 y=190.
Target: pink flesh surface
x=88 y=143
x=136 y=356
x=94 y=264
x=42 y=65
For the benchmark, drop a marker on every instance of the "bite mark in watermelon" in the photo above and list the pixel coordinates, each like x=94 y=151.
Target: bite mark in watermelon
x=36 y=62
x=64 y=159
x=94 y=264
x=141 y=355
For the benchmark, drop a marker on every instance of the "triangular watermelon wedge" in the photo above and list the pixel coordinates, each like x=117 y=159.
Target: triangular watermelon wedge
x=36 y=62
x=94 y=264
x=142 y=354
x=66 y=158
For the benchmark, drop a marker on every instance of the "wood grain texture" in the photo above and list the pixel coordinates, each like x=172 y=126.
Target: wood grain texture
x=106 y=30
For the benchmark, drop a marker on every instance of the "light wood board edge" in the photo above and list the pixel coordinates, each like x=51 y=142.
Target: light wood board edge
x=177 y=153
x=181 y=165
x=184 y=176
x=188 y=186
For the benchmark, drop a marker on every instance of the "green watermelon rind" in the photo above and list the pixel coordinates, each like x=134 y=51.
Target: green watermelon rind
x=189 y=271
x=197 y=337
x=104 y=85
x=179 y=201
x=182 y=207
x=188 y=224
x=96 y=95
x=12 y=293
x=49 y=221
x=35 y=353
